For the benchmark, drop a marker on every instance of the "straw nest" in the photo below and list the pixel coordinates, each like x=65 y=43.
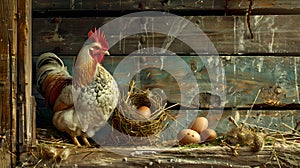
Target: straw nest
x=128 y=121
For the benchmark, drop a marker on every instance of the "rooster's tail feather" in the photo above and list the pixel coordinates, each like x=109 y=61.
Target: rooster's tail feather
x=49 y=64
x=49 y=58
x=52 y=77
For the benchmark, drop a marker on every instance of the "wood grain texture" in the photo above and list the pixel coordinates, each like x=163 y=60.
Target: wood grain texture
x=255 y=67
x=249 y=79
x=244 y=76
x=24 y=74
x=8 y=81
x=188 y=157
x=174 y=5
x=275 y=34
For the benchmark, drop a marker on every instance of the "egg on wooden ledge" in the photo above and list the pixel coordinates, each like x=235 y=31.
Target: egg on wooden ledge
x=144 y=112
x=199 y=124
x=188 y=136
x=208 y=135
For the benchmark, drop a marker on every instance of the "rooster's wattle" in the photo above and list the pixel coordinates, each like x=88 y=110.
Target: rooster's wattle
x=82 y=104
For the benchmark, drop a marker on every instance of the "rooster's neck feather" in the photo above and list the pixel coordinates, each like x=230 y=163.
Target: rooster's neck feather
x=85 y=67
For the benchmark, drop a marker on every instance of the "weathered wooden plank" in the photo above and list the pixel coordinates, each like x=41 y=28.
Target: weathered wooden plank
x=174 y=6
x=228 y=34
x=125 y=5
x=216 y=156
x=245 y=76
x=249 y=79
x=8 y=79
x=24 y=74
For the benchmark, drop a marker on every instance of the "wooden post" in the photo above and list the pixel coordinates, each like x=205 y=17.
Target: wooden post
x=16 y=126
x=24 y=71
x=8 y=77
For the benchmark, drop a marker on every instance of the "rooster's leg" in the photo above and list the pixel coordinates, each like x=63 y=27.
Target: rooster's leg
x=85 y=141
x=76 y=142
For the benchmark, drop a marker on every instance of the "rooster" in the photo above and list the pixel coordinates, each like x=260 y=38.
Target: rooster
x=81 y=103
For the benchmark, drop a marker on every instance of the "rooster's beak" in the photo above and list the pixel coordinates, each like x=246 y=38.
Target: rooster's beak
x=106 y=53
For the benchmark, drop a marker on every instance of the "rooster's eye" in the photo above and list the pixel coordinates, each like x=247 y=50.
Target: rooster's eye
x=95 y=48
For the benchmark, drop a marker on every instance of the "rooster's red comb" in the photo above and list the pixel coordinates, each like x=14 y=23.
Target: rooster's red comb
x=98 y=36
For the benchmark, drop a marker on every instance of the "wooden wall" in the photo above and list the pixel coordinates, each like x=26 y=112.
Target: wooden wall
x=257 y=40
x=15 y=81
x=258 y=51
x=258 y=44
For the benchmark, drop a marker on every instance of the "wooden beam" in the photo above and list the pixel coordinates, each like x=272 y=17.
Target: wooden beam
x=230 y=35
x=8 y=53
x=24 y=77
x=191 y=7
x=215 y=156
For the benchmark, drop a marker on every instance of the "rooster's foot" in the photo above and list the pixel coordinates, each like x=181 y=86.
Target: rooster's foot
x=85 y=141
x=76 y=142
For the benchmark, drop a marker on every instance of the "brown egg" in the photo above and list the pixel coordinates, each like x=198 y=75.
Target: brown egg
x=208 y=135
x=199 y=124
x=188 y=136
x=144 y=111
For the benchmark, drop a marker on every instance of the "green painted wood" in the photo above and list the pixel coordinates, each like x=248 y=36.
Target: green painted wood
x=249 y=79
